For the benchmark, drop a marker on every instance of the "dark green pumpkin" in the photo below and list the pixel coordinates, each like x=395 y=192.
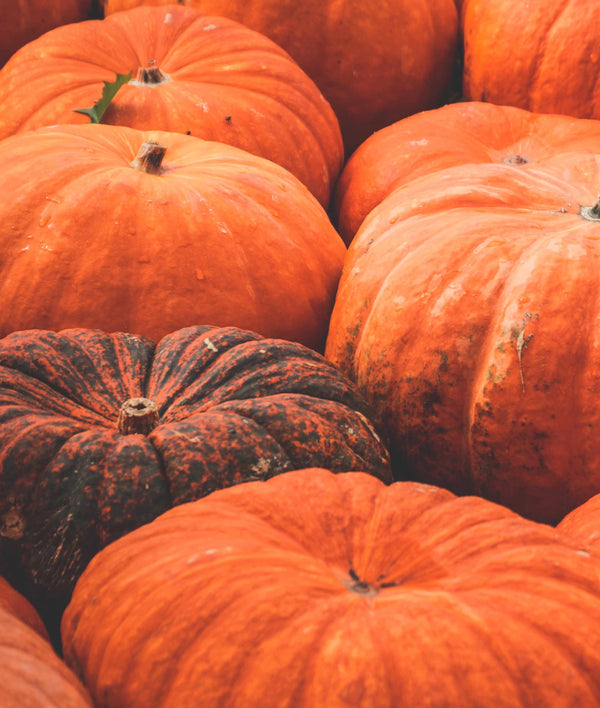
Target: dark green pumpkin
x=214 y=407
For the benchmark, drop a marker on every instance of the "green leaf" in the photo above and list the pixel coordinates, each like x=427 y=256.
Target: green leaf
x=108 y=93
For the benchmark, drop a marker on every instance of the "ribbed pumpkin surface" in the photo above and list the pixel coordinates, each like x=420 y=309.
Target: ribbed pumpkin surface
x=374 y=64
x=88 y=239
x=315 y=590
x=31 y=674
x=232 y=407
x=456 y=134
x=468 y=316
x=205 y=76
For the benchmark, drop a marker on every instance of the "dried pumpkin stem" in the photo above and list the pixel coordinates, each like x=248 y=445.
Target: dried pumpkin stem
x=150 y=75
x=591 y=213
x=138 y=415
x=149 y=158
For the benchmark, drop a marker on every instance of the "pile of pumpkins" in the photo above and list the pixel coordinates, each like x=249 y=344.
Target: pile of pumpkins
x=299 y=354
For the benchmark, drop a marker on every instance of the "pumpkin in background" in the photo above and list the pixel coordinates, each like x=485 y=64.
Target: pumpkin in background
x=118 y=229
x=583 y=523
x=31 y=674
x=467 y=316
x=25 y=20
x=542 y=55
x=100 y=433
x=205 y=76
x=456 y=134
x=374 y=66
x=322 y=591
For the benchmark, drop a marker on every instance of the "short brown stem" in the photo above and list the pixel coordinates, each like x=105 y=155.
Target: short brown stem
x=149 y=158
x=138 y=415
x=150 y=75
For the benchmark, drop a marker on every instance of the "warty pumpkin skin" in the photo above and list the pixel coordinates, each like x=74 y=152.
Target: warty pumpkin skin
x=205 y=76
x=31 y=674
x=321 y=591
x=541 y=55
x=94 y=234
x=467 y=315
x=373 y=67
x=217 y=406
x=456 y=134
x=25 y=20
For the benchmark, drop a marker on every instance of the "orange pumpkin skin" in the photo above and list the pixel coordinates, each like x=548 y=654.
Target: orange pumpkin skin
x=373 y=67
x=25 y=20
x=31 y=674
x=459 y=133
x=17 y=605
x=218 y=236
x=583 y=524
x=205 y=76
x=320 y=590
x=466 y=314
x=541 y=55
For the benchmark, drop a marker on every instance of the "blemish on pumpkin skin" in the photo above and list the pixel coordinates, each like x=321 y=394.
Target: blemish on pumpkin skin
x=12 y=525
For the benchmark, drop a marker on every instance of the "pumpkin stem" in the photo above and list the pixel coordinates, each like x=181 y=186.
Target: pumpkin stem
x=149 y=158
x=138 y=415
x=359 y=586
x=150 y=75
x=591 y=213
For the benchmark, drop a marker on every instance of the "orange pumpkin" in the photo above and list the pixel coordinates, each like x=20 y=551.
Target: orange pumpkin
x=456 y=134
x=25 y=20
x=374 y=66
x=541 y=55
x=467 y=315
x=317 y=590
x=101 y=227
x=583 y=524
x=31 y=674
x=205 y=76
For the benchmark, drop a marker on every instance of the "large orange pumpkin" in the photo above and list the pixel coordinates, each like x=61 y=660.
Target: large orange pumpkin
x=542 y=55
x=374 y=65
x=205 y=76
x=31 y=674
x=25 y=20
x=457 y=134
x=316 y=590
x=96 y=231
x=467 y=314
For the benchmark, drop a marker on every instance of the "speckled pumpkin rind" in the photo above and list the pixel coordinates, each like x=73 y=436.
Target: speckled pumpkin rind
x=233 y=407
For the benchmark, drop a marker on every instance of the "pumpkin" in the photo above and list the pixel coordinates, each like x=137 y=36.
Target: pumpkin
x=100 y=433
x=583 y=523
x=456 y=134
x=374 y=66
x=146 y=232
x=25 y=20
x=31 y=674
x=20 y=608
x=541 y=55
x=467 y=316
x=205 y=76
x=322 y=590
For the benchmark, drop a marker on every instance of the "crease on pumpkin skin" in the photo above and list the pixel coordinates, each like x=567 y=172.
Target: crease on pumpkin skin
x=531 y=85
